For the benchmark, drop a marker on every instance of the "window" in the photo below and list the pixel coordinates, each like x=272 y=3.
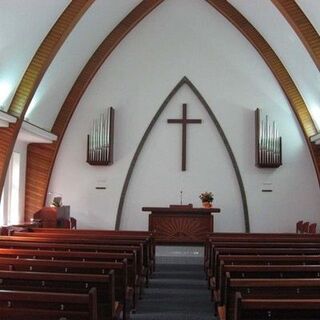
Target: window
x=14 y=189
x=10 y=204
x=2 y=210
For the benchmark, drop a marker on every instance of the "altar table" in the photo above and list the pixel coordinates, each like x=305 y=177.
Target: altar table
x=180 y=224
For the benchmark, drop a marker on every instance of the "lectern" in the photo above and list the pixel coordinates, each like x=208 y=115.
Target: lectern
x=53 y=217
x=181 y=224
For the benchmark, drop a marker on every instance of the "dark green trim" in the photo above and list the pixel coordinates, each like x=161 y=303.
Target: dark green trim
x=183 y=81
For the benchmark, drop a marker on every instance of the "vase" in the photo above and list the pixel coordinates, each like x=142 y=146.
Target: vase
x=207 y=204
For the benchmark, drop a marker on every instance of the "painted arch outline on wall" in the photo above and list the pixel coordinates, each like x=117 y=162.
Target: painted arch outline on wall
x=184 y=81
x=40 y=168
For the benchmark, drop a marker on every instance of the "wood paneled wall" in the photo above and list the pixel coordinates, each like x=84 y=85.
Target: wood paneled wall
x=5 y=138
x=39 y=156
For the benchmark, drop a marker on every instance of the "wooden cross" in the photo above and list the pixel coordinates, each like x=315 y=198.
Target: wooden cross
x=184 y=121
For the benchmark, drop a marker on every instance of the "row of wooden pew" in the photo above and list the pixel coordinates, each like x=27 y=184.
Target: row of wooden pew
x=73 y=274
x=264 y=276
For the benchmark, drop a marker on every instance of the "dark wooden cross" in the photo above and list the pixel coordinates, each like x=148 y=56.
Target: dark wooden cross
x=184 y=121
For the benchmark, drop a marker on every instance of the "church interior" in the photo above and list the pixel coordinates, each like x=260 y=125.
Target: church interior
x=160 y=159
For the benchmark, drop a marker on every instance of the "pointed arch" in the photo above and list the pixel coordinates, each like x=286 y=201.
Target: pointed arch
x=184 y=81
x=37 y=195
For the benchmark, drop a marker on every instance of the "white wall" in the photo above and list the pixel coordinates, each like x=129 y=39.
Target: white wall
x=266 y=18
x=167 y=45
x=24 y=24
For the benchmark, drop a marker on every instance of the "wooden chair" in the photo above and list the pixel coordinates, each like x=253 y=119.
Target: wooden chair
x=299 y=226
x=4 y=230
x=73 y=223
x=305 y=227
x=312 y=228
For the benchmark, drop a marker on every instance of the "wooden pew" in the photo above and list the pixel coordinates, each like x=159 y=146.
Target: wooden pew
x=254 y=249
x=256 y=244
x=262 y=271
x=66 y=283
x=97 y=236
x=17 y=305
x=280 y=309
x=125 y=234
x=259 y=251
x=81 y=239
x=256 y=237
x=82 y=267
x=30 y=243
x=266 y=288
x=81 y=256
x=261 y=260
x=259 y=245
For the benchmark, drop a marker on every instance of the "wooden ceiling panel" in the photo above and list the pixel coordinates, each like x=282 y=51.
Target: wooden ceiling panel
x=302 y=26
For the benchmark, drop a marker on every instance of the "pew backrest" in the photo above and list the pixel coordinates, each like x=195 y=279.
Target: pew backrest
x=250 y=308
x=266 y=272
x=268 y=288
x=47 y=305
x=65 y=283
x=260 y=251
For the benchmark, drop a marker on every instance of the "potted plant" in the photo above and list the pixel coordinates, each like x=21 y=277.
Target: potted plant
x=206 y=198
x=56 y=202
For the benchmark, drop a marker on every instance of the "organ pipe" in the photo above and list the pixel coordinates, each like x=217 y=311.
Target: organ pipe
x=268 y=142
x=100 y=139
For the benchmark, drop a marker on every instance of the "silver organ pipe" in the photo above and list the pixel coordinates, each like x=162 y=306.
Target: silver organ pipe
x=100 y=139
x=268 y=143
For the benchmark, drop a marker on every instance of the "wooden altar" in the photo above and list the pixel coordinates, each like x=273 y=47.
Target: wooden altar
x=180 y=224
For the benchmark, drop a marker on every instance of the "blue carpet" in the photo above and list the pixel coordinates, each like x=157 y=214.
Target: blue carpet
x=176 y=292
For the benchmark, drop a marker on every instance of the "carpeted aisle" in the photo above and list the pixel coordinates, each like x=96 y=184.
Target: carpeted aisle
x=176 y=292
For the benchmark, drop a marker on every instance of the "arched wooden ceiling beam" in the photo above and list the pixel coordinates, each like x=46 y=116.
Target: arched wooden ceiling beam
x=37 y=180
x=36 y=194
x=302 y=26
x=97 y=60
x=277 y=68
x=33 y=75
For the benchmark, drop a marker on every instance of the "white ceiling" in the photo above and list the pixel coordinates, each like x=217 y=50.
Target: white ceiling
x=24 y=24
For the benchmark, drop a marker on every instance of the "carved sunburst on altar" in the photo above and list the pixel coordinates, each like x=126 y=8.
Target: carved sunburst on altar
x=181 y=224
x=181 y=229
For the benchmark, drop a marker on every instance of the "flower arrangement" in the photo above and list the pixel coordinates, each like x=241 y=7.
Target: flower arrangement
x=206 y=196
x=56 y=202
